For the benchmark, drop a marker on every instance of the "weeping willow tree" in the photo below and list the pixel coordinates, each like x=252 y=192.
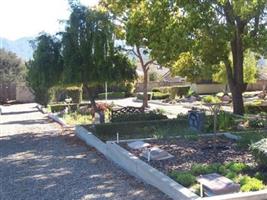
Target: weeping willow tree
x=88 y=51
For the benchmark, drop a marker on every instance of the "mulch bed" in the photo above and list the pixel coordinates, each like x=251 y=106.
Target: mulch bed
x=188 y=152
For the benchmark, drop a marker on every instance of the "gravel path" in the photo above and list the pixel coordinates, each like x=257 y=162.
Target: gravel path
x=40 y=161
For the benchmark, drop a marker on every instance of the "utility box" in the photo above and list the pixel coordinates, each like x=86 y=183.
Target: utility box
x=196 y=120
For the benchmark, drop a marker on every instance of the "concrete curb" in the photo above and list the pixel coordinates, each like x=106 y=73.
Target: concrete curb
x=41 y=109
x=58 y=120
x=136 y=167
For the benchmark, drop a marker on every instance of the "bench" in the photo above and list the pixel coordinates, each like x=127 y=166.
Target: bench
x=215 y=184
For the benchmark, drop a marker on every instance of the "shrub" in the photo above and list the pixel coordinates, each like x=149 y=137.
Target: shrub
x=138 y=117
x=250 y=184
x=211 y=99
x=256 y=123
x=60 y=93
x=259 y=151
x=111 y=95
x=134 y=129
x=255 y=109
x=173 y=91
x=140 y=96
x=199 y=169
x=179 y=91
x=237 y=167
x=184 y=178
x=61 y=107
x=160 y=95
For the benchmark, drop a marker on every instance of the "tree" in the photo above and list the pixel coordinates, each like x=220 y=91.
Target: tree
x=193 y=68
x=250 y=70
x=45 y=69
x=12 y=69
x=90 y=57
x=213 y=30
x=132 y=26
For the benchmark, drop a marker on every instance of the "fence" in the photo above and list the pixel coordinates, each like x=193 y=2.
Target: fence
x=7 y=92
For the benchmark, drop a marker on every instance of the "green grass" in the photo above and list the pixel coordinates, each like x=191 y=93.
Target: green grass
x=143 y=129
x=76 y=118
x=248 y=178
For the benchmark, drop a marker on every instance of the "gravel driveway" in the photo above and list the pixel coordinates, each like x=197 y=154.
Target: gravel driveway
x=40 y=161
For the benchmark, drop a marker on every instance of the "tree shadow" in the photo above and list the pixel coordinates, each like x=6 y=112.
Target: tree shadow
x=55 y=166
x=20 y=112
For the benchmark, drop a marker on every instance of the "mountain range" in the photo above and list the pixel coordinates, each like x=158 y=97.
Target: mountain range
x=20 y=46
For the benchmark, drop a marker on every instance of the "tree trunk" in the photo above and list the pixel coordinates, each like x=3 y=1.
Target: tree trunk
x=238 y=103
x=90 y=92
x=145 y=100
x=236 y=75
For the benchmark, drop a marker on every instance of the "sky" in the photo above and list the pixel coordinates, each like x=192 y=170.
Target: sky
x=27 y=18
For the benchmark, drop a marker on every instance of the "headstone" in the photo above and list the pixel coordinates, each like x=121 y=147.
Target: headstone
x=215 y=184
x=97 y=118
x=138 y=145
x=196 y=119
x=156 y=154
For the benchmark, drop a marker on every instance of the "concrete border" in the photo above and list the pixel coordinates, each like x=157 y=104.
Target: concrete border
x=136 y=167
x=41 y=109
x=152 y=176
x=58 y=120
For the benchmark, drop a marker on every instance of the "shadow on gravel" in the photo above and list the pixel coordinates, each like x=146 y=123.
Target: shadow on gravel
x=54 y=166
x=20 y=112
x=27 y=122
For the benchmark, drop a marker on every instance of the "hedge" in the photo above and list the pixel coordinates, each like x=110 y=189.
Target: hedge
x=111 y=95
x=160 y=95
x=140 y=96
x=60 y=106
x=60 y=93
x=255 y=109
x=173 y=91
x=108 y=131
x=139 y=117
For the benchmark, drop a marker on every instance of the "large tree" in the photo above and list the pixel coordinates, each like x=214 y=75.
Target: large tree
x=90 y=57
x=214 y=30
x=45 y=69
x=132 y=22
x=12 y=69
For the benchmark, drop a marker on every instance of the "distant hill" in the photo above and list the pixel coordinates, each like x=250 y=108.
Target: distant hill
x=20 y=46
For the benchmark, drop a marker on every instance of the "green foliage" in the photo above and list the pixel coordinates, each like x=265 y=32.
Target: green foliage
x=45 y=69
x=60 y=93
x=140 y=129
x=140 y=96
x=139 y=117
x=211 y=99
x=200 y=169
x=256 y=123
x=237 y=167
x=160 y=95
x=250 y=69
x=184 y=178
x=77 y=118
x=255 y=108
x=192 y=67
x=60 y=107
x=251 y=184
x=173 y=91
x=259 y=152
x=89 y=54
x=112 y=95
x=153 y=76
x=12 y=68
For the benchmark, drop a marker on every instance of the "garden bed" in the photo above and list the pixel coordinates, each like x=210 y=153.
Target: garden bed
x=191 y=150
x=194 y=156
